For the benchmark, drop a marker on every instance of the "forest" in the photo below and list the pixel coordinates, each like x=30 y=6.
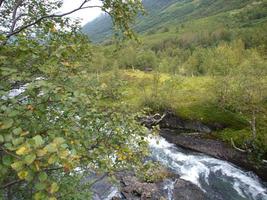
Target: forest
x=72 y=97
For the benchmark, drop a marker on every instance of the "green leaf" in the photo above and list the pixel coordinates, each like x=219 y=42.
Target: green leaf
x=38 y=140
x=6 y=124
x=59 y=140
x=42 y=176
x=51 y=148
x=18 y=141
x=8 y=137
x=17 y=165
x=1 y=139
x=7 y=160
x=30 y=158
x=30 y=176
x=17 y=131
x=40 y=186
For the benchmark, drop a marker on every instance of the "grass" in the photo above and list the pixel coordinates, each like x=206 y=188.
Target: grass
x=189 y=97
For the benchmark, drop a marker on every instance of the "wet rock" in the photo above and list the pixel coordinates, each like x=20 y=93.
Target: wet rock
x=102 y=187
x=184 y=190
x=134 y=189
x=172 y=121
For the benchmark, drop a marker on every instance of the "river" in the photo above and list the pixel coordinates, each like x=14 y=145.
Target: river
x=220 y=180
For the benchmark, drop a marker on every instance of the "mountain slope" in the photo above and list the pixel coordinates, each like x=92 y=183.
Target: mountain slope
x=163 y=13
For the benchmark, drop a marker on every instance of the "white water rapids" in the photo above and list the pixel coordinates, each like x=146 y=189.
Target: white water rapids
x=218 y=179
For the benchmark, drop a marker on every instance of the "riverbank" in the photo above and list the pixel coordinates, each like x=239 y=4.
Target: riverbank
x=192 y=176
x=216 y=149
x=197 y=136
x=194 y=106
x=194 y=99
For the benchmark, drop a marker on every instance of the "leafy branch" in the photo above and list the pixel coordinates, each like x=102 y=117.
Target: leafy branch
x=13 y=31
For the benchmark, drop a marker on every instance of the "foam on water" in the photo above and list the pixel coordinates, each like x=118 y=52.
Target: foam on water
x=198 y=169
x=112 y=193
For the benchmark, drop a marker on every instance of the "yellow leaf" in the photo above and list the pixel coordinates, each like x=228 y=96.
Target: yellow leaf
x=53 y=29
x=41 y=152
x=67 y=64
x=23 y=174
x=30 y=107
x=22 y=150
x=103 y=85
x=63 y=154
x=52 y=159
x=36 y=163
x=24 y=133
x=54 y=188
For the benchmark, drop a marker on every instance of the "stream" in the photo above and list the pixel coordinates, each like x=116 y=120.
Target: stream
x=219 y=179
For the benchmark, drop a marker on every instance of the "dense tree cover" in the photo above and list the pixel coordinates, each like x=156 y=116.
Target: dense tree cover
x=53 y=128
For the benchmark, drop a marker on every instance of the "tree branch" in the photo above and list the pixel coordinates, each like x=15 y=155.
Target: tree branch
x=233 y=144
x=82 y=6
x=14 y=15
x=9 y=153
x=10 y=184
x=1 y=2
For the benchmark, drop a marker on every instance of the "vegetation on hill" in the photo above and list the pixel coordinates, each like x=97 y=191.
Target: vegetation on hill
x=174 y=13
x=208 y=63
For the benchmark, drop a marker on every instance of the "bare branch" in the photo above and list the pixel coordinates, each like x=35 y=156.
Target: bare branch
x=233 y=144
x=10 y=184
x=14 y=15
x=9 y=153
x=82 y=6
x=1 y=2
x=99 y=179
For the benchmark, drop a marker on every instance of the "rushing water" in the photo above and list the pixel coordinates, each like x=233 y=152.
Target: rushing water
x=219 y=179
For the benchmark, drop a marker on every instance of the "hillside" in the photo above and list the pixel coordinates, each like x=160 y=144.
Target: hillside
x=170 y=13
x=194 y=58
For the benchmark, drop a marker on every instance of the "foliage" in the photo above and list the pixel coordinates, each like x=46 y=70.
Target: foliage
x=41 y=16
x=244 y=90
x=52 y=122
x=153 y=172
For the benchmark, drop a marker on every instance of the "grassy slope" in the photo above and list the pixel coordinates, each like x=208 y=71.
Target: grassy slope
x=189 y=97
x=171 y=13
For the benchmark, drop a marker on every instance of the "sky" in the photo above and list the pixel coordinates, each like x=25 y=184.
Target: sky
x=85 y=15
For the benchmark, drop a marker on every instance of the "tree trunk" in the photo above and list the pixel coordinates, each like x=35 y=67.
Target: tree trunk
x=253 y=125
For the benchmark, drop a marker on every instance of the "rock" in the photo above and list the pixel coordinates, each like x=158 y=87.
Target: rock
x=184 y=190
x=134 y=189
x=140 y=190
x=172 y=121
